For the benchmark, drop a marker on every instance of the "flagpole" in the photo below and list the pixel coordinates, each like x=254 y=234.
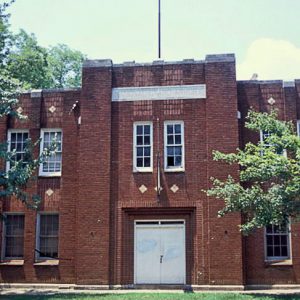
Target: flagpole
x=159 y=37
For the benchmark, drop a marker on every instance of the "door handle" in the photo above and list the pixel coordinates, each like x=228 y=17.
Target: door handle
x=161 y=257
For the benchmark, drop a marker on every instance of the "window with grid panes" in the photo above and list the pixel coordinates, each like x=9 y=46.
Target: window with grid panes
x=143 y=146
x=174 y=146
x=52 y=165
x=13 y=230
x=277 y=242
x=47 y=240
x=17 y=143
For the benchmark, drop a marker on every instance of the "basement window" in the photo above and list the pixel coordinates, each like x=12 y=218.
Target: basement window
x=47 y=236
x=277 y=242
x=13 y=236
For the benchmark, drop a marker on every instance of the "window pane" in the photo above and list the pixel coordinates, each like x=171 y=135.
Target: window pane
x=139 y=140
x=139 y=162
x=283 y=240
x=170 y=139
x=270 y=251
x=147 y=151
x=276 y=240
x=139 y=151
x=177 y=128
x=284 y=251
x=170 y=161
x=147 y=140
x=170 y=151
x=169 y=129
x=139 y=129
x=147 y=162
x=269 y=240
x=177 y=139
x=178 y=161
x=276 y=251
x=147 y=129
x=178 y=150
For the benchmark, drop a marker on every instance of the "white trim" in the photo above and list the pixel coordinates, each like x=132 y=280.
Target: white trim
x=168 y=92
x=142 y=169
x=298 y=128
x=159 y=225
x=41 y=172
x=174 y=169
x=3 y=257
x=9 y=132
x=37 y=234
x=289 y=247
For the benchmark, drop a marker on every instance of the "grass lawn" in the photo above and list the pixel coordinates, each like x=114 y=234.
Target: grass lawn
x=150 y=296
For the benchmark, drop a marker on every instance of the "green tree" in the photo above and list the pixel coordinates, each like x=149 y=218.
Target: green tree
x=65 y=66
x=5 y=35
x=268 y=188
x=28 y=62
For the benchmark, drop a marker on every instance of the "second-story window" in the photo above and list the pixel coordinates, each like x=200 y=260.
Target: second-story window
x=142 y=152
x=174 y=146
x=52 y=165
x=17 y=142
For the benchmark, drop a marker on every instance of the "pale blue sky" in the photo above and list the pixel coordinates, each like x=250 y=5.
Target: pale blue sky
x=264 y=34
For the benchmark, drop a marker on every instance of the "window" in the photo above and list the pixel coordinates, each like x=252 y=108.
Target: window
x=264 y=135
x=47 y=236
x=174 y=146
x=142 y=152
x=277 y=240
x=298 y=127
x=16 y=140
x=52 y=165
x=13 y=236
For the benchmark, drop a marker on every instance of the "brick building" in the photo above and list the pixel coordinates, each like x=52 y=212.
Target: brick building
x=122 y=201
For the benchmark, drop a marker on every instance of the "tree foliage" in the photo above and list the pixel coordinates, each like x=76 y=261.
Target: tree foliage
x=65 y=66
x=268 y=188
x=28 y=62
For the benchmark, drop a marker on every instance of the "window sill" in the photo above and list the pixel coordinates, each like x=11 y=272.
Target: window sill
x=275 y=263
x=50 y=175
x=47 y=262
x=174 y=170
x=12 y=262
x=149 y=170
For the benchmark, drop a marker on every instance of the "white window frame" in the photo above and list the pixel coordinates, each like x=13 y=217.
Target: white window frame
x=3 y=257
x=298 y=128
x=289 y=246
x=261 y=137
x=38 y=230
x=9 y=132
x=135 y=167
x=166 y=167
x=41 y=172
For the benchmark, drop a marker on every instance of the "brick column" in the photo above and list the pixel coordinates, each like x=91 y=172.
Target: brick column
x=224 y=251
x=92 y=220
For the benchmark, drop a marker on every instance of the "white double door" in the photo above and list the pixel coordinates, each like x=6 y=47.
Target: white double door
x=160 y=252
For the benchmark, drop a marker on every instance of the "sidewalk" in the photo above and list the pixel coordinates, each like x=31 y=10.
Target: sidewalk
x=51 y=289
